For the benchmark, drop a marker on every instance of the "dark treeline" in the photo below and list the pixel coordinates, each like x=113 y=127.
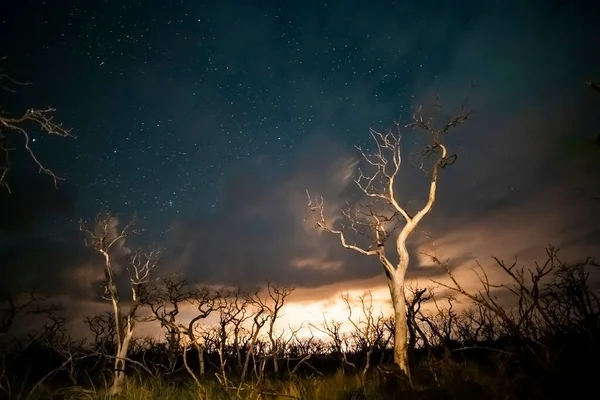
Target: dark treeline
x=535 y=336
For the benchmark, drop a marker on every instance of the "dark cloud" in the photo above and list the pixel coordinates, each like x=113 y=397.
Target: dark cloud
x=512 y=191
x=260 y=231
x=42 y=263
x=33 y=199
x=512 y=187
x=60 y=265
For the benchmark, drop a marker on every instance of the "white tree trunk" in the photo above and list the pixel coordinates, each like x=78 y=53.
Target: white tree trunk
x=120 y=361
x=401 y=333
x=396 y=286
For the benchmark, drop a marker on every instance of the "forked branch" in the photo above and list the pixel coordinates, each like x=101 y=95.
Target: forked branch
x=16 y=125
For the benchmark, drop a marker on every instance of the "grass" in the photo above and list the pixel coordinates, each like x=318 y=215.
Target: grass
x=448 y=381
x=334 y=387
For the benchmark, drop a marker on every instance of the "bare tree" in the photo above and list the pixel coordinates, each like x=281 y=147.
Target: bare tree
x=12 y=344
x=164 y=300
x=367 y=328
x=13 y=126
x=206 y=302
x=102 y=327
x=277 y=296
x=551 y=297
x=300 y=350
x=382 y=217
x=105 y=238
x=10 y=307
x=415 y=332
x=56 y=338
x=233 y=312
x=338 y=341
x=259 y=319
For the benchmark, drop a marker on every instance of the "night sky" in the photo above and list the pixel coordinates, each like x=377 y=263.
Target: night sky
x=211 y=118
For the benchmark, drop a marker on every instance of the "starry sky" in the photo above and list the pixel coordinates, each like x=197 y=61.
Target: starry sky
x=210 y=119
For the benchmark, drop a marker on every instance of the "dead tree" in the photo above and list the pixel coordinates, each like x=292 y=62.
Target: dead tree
x=551 y=298
x=299 y=350
x=56 y=338
x=259 y=319
x=277 y=296
x=14 y=126
x=164 y=300
x=232 y=309
x=105 y=238
x=386 y=216
x=338 y=345
x=415 y=332
x=367 y=328
x=11 y=306
x=206 y=302
x=102 y=328
x=12 y=345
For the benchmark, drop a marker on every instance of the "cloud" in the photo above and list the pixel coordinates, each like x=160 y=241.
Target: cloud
x=39 y=261
x=510 y=168
x=32 y=201
x=513 y=190
x=60 y=265
x=261 y=230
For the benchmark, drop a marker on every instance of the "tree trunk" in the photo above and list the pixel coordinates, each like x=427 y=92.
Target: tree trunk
x=274 y=355
x=120 y=361
x=201 y=362
x=249 y=354
x=400 y=321
x=173 y=340
x=118 y=383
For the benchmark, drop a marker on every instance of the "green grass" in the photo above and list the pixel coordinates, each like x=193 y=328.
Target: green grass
x=327 y=388
x=333 y=387
x=337 y=386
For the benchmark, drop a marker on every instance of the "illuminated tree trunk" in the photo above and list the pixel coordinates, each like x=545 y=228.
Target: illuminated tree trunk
x=120 y=361
x=401 y=326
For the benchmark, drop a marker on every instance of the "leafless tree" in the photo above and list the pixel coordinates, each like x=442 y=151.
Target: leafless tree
x=276 y=300
x=367 y=327
x=300 y=350
x=259 y=319
x=11 y=344
x=337 y=340
x=385 y=216
x=164 y=299
x=11 y=306
x=550 y=297
x=419 y=296
x=102 y=328
x=105 y=237
x=206 y=302
x=14 y=126
x=233 y=311
x=55 y=336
